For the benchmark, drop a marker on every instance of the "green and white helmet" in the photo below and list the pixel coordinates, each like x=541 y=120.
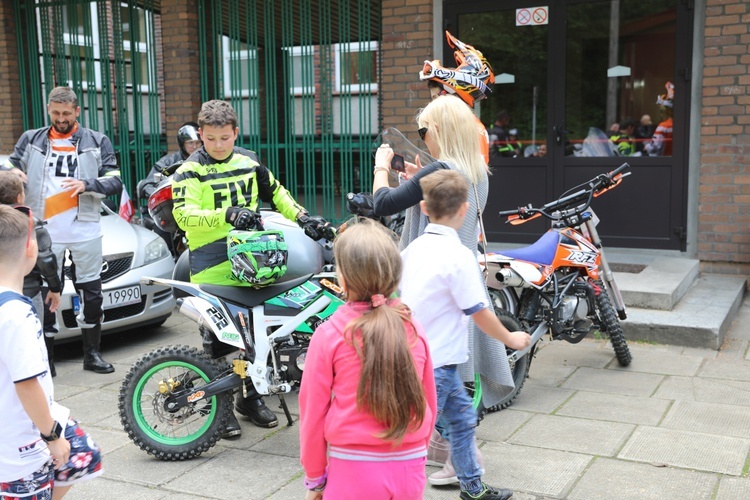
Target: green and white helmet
x=257 y=257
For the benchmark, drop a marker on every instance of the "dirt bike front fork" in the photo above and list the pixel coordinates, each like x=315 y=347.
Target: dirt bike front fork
x=609 y=278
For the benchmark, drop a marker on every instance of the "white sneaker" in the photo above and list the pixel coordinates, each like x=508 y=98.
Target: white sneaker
x=447 y=475
x=438 y=451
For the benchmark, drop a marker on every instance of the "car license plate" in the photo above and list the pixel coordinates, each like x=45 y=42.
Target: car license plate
x=121 y=297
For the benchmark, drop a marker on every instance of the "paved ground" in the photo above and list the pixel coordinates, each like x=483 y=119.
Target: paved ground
x=673 y=425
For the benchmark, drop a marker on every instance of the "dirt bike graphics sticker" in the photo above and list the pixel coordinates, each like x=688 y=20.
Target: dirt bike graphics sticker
x=298 y=297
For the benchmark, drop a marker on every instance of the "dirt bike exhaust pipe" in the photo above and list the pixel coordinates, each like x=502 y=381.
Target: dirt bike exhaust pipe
x=508 y=277
x=187 y=307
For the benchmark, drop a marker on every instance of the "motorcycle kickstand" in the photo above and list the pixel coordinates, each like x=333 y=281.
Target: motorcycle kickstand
x=289 y=421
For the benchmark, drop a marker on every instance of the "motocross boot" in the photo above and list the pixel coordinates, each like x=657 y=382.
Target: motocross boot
x=256 y=410
x=92 y=358
x=50 y=343
x=233 y=428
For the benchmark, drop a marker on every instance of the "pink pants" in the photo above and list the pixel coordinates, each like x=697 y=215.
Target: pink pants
x=352 y=479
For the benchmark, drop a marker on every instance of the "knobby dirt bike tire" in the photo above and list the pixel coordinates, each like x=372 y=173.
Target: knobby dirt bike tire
x=149 y=425
x=519 y=370
x=611 y=325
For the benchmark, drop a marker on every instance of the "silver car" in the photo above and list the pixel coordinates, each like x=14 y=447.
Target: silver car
x=129 y=253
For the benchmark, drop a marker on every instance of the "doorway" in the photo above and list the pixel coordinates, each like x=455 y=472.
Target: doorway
x=577 y=85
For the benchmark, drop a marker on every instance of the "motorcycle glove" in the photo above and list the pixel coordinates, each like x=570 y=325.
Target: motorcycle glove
x=242 y=218
x=315 y=227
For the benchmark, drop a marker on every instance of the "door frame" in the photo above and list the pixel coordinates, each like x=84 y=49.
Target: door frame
x=557 y=165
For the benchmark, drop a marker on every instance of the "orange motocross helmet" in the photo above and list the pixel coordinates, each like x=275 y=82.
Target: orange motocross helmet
x=471 y=80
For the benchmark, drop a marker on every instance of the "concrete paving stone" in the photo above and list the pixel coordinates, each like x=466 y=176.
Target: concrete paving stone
x=63 y=391
x=130 y=463
x=88 y=379
x=108 y=440
x=732 y=349
x=662 y=362
x=706 y=390
x=690 y=450
x=700 y=351
x=103 y=487
x=548 y=374
x=614 y=381
x=540 y=399
x=732 y=488
x=711 y=418
x=730 y=370
x=739 y=327
x=589 y=353
x=608 y=479
x=500 y=425
x=91 y=406
x=238 y=474
x=294 y=490
x=591 y=437
x=112 y=422
x=535 y=471
x=283 y=442
x=615 y=407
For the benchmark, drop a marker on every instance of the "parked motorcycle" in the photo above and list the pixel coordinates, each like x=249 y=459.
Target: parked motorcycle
x=175 y=401
x=567 y=288
x=157 y=190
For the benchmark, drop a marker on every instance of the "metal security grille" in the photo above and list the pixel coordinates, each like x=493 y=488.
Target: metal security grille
x=107 y=52
x=303 y=77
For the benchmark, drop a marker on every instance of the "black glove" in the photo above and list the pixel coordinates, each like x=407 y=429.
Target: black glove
x=316 y=227
x=242 y=218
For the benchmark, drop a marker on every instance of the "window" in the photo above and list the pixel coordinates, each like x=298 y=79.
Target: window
x=135 y=43
x=77 y=45
x=239 y=68
x=301 y=66
x=356 y=67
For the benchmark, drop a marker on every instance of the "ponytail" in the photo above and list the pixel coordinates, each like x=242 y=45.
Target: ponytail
x=390 y=389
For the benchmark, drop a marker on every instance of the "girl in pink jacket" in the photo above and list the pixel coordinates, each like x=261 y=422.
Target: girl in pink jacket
x=367 y=398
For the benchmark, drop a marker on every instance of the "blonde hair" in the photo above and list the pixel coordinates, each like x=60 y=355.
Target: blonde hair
x=452 y=127
x=444 y=192
x=368 y=260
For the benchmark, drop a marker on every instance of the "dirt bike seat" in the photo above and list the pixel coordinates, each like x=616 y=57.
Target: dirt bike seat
x=251 y=297
x=542 y=251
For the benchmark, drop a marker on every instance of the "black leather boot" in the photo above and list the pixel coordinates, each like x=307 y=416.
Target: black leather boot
x=92 y=358
x=50 y=343
x=256 y=410
x=233 y=428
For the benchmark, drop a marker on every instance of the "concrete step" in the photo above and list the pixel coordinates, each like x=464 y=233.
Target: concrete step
x=700 y=319
x=660 y=284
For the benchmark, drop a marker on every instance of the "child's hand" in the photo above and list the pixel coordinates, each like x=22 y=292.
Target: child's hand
x=60 y=451
x=518 y=340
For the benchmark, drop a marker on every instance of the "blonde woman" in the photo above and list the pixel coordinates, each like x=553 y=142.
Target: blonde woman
x=447 y=126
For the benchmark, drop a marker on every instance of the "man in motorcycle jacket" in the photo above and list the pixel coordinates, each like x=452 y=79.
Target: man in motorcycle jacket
x=216 y=190
x=69 y=169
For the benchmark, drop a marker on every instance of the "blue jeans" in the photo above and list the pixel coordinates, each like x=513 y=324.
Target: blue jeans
x=458 y=419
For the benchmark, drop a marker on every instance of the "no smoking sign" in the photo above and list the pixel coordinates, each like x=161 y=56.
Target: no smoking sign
x=532 y=16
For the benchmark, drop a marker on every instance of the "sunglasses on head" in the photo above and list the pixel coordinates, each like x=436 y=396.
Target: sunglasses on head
x=26 y=210
x=422 y=132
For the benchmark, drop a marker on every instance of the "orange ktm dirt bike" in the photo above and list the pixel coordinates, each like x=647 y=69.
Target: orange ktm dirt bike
x=566 y=286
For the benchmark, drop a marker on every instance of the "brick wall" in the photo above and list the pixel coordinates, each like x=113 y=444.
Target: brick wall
x=11 y=124
x=724 y=196
x=182 y=102
x=403 y=51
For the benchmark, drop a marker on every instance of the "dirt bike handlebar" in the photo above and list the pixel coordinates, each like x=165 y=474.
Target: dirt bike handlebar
x=578 y=197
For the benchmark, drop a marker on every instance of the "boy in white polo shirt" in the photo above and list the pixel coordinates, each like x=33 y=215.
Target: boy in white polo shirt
x=443 y=286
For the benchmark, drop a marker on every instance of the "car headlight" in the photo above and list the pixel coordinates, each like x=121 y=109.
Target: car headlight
x=156 y=250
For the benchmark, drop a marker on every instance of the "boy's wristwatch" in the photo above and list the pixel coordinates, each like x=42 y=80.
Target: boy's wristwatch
x=54 y=435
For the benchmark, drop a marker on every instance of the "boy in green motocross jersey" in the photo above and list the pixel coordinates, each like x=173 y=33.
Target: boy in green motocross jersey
x=217 y=189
